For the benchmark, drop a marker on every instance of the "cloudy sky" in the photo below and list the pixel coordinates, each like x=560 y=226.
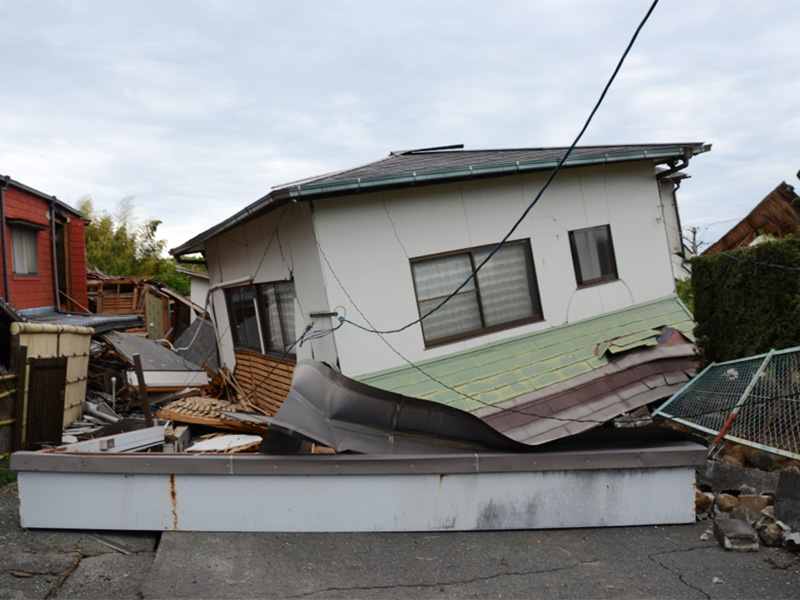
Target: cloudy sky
x=197 y=108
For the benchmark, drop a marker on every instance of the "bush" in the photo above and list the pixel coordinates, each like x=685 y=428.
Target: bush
x=746 y=301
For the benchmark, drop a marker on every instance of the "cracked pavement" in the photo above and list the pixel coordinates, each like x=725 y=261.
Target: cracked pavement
x=651 y=562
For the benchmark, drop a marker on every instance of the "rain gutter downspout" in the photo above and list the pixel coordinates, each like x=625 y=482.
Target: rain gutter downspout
x=3 y=188
x=53 y=251
x=673 y=168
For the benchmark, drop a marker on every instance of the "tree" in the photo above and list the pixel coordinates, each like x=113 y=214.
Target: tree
x=117 y=246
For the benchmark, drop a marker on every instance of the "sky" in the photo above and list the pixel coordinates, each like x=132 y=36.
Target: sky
x=197 y=108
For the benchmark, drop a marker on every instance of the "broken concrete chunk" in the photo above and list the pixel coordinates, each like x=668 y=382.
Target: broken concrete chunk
x=771 y=535
x=703 y=502
x=733 y=534
x=756 y=503
x=791 y=540
x=787 y=499
x=727 y=502
x=761 y=460
x=743 y=513
x=721 y=477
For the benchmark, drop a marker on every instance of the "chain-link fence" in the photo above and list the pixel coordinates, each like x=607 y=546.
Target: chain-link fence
x=753 y=401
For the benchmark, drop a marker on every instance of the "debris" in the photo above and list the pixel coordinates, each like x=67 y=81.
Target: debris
x=733 y=534
x=722 y=477
x=716 y=580
x=226 y=443
x=130 y=441
x=755 y=503
x=726 y=502
x=771 y=535
x=211 y=412
x=703 y=501
x=787 y=499
x=791 y=540
x=743 y=513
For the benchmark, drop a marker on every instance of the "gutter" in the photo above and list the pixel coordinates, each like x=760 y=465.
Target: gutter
x=3 y=188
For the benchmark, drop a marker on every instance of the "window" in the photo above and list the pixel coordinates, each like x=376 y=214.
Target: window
x=244 y=322
x=262 y=312
x=593 y=255
x=503 y=293
x=277 y=301
x=23 y=251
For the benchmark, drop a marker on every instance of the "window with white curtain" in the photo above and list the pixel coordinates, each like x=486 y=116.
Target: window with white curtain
x=593 y=255
x=502 y=294
x=277 y=303
x=23 y=251
x=262 y=316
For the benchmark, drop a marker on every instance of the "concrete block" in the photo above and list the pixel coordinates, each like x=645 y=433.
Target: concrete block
x=733 y=534
x=787 y=499
x=743 y=513
x=723 y=477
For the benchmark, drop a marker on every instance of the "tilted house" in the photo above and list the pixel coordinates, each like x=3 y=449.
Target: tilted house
x=574 y=317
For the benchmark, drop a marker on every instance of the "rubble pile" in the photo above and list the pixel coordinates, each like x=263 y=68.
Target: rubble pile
x=752 y=497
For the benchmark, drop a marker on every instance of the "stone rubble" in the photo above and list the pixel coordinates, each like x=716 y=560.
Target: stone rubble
x=748 y=506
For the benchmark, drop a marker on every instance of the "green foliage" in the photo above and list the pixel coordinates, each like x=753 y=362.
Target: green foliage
x=742 y=305
x=686 y=293
x=117 y=246
x=6 y=475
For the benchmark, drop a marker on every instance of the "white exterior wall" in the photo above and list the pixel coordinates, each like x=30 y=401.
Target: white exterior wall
x=198 y=291
x=275 y=247
x=369 y=239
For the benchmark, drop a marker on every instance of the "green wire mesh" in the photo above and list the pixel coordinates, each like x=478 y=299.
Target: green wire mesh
x=764 y=393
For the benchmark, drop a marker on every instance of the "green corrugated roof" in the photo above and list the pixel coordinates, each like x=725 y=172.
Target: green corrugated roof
x=504 y=370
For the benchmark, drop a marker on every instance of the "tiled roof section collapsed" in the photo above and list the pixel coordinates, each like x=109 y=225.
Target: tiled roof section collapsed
x=582 y=373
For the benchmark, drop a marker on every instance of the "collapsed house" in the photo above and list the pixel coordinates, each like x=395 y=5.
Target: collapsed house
x=573 y=321
x=341 y=268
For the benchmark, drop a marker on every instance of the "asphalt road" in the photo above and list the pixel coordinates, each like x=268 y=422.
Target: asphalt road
x=631 y=562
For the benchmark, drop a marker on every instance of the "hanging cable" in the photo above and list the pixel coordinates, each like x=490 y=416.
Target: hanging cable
x=544 y=187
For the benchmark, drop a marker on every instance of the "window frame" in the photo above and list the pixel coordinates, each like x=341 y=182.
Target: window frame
x=532 y=288
x=609 y=250
x=260 y=309
x=31 y=241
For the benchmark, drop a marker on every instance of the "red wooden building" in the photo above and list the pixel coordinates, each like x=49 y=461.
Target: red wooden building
x=43 y=250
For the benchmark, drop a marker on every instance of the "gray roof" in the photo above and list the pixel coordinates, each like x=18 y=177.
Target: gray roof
x=441 y=165
x=5 y=179
x=100 y=323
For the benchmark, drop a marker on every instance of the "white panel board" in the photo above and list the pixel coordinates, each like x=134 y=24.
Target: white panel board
x=322 y=503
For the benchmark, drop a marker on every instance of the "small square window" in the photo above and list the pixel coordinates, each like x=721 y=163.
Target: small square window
x=593 y=255
x=23 y=251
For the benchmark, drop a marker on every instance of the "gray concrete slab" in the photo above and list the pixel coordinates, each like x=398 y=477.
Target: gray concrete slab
x=653 y=562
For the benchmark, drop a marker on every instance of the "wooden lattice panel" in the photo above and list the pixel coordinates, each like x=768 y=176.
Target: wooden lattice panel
x=264 y=380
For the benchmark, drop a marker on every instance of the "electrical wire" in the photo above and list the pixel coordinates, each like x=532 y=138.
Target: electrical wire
x=541 y=191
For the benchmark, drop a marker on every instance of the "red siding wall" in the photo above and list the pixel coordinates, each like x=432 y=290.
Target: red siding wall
x=36 y=291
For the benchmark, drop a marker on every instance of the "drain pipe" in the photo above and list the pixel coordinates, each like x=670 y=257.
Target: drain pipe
x=3 y=188
x=53 y=251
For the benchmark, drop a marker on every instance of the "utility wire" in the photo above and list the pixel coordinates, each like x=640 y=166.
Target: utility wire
x=538 y=195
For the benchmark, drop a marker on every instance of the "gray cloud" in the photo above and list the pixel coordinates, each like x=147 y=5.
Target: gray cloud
x=198 y=108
